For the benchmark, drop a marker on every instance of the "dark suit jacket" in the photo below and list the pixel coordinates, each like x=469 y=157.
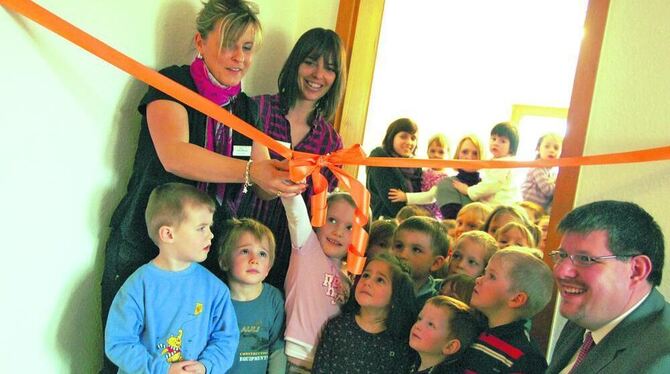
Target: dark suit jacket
x=639 y=344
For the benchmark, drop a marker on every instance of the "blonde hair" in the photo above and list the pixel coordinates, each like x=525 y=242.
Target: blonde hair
x=530 y=239
x=234 y=228
x=475 y=141
x=441 y=140
x=236 y=17
x=480 y=209
x=482 y=238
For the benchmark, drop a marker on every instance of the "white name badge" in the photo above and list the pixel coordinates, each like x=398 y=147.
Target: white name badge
x=285 y=144
x=242 y=150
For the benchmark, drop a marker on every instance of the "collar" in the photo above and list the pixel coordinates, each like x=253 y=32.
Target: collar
x=600 y=333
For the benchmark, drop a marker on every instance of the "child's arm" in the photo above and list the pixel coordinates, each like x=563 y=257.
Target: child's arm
x=413 y=198
x=493 y=181
x=544 y=181
x=299 y=225
x=124 y=327
x=219 y=354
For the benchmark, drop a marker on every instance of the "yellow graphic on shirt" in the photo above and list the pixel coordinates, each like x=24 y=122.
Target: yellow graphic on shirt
x=198 y=308
x=172 y=350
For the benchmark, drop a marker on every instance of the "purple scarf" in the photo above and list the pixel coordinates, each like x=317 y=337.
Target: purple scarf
x=219 y=137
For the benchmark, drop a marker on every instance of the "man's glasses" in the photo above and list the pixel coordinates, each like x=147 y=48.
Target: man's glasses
x=582 y=260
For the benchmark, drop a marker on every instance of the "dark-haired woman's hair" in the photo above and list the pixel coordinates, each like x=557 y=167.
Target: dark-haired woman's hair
x=403 y=306
x=314 y=43
x=399 y=125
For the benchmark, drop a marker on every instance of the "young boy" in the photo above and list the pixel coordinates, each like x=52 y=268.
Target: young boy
x=444 y=329
x=515 y=286
x=497 y=186
x=423 y=244
x=172 y=314
x=246 y=253
x=471 y=254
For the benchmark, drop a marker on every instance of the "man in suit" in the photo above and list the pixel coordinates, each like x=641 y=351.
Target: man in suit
x=607 y=269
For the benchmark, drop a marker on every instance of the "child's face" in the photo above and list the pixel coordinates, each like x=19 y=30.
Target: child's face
x=467 y=220
x=404 y=144
x=468 y=258
x=513 y=236
x=431 y=332
x=499 y=220
x=383 y=246
x=249 y=260
x=375 y=287
x=492 y=290
x=192 y=238
x=415 y=249
x=335 y=235
x=544 y=226
x=499 y=146
x=436 y=151
x=468 y=151
x=550 y=148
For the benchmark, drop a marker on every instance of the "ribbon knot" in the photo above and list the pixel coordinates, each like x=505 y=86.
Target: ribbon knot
x=304 y=164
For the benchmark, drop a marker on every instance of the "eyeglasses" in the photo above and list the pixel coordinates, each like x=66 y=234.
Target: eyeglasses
x=582 y=260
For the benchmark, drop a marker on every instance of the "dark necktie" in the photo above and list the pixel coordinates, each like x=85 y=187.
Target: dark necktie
x=583 y=351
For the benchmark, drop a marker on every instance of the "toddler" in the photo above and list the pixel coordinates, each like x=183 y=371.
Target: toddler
x=444 y=329
x=458 y=286
x=438 y=148
x=472 y=252
x=540 y=182
x=471 y=217
x=370 y=336
x=315 y=285
x=171 y=314
x=514 y=233
x=515 y=286
x=246 y=253
x=423 y=244
x=381 y=236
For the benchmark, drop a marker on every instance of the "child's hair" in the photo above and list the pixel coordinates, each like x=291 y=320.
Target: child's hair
x=482 y=238
x=411 y=211
x=474 y=140
x=513 y=210
x=530 y=239
x=381 y=230
x=535 y=208
x=530 y=275
x=233 y=230
x=336 y=196
x=167 y=206
x=462 y=321
x=460 y=287
x=402 y=307
x=439 y=240
x=483 y=211
x=556 y=137
x=236 y=17
x=314 y=43
x=509 y=131
x=441 y=140
x=399 y=125
x=449 y=224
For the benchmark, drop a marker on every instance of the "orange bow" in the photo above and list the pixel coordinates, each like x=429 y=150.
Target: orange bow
x=303 y=164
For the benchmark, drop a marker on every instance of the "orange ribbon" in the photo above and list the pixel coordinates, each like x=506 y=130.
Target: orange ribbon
x=303 y=164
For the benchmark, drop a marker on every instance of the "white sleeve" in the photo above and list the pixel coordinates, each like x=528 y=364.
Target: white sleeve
x=492 y=181
x=421 y=198
x=299 y=225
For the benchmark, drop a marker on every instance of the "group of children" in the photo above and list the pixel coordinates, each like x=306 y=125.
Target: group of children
x=398 y=316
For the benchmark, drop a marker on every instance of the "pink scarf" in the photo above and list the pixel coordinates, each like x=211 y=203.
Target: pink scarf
x=219 y=137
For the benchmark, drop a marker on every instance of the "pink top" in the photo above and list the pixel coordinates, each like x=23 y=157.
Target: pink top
x=429 y=179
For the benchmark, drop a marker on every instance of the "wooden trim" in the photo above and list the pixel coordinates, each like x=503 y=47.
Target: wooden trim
x=359 y=25
x=573 y=144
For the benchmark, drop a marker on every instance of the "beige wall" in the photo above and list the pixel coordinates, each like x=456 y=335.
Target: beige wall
x=630 y=111
x=69 y=132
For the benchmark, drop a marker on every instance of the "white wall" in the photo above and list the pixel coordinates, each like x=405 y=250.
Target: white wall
x=69 y=131
x=630 y=111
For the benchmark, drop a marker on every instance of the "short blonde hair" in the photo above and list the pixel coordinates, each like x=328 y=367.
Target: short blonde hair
x=530 y=239
x=482 y=238
x=475 y=141
x=236 y=17
x=234 y=228
x=441 y=140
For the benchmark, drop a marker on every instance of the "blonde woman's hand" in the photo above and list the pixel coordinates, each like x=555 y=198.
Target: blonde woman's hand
x=397 y=196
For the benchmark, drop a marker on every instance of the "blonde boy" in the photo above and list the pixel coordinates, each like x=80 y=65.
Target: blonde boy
x=471 y=254
x=423 y=244
x=246 y=254
x=515 y=286
x=173 y=315
x=444 y=329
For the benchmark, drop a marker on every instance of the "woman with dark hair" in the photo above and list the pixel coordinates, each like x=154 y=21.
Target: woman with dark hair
x=399 y=141
x=311 y=85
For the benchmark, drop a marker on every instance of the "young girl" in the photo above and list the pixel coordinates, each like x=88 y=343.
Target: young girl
x=514 y=233
x=503 y=214
x=371 y=335
x=438 y=147
x=246 y=253
x=471 y=217
x=315 y=285
x=541 y=182
x=497 y=185
x=300 y=115
x=472 y=252
x=444 y=194
x=381 y=236
x=399 y=141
